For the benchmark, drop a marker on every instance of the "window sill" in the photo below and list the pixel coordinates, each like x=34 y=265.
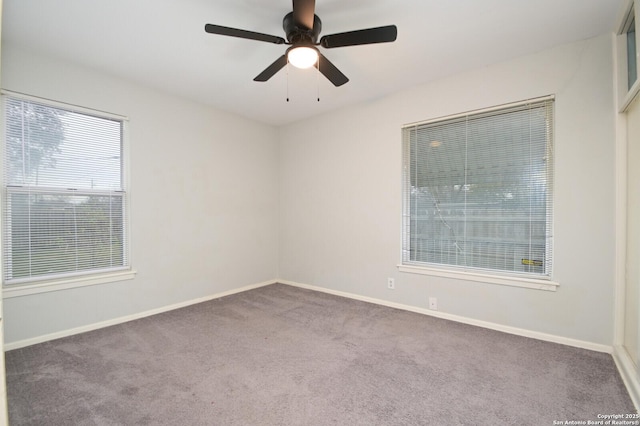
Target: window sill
x=536 y=284
x=65 y=284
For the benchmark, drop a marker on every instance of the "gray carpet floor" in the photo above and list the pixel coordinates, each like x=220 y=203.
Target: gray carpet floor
x=280 y=355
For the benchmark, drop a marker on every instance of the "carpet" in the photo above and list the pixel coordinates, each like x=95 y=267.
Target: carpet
x=281 y=355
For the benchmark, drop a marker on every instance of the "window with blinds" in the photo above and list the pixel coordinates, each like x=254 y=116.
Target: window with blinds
x=64 y=203
x=477 y=190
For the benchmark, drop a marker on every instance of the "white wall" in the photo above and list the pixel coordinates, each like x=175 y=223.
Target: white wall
x=332 y=186
x=204 y=199
x=632 y=291
x=340 y=183
x=4 y=412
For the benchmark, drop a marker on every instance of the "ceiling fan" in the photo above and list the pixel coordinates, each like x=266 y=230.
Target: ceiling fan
x=302 y=28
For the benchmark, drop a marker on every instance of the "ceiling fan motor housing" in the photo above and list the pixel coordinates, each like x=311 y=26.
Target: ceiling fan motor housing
x=301 y=35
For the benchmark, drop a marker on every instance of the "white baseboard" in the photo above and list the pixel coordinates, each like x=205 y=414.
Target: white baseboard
x=120 y=320
x=629 y=372
x=490 y=325
x=438 y=314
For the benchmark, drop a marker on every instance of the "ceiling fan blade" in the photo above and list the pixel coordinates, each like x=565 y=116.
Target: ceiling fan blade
x=353 y=38
x=303 y=13
x=330 y=71
x=272 y=69
x=235 y=32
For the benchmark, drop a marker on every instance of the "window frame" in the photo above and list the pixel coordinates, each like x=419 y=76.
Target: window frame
x=630 y=12
x=489 y=276
x=63 y=281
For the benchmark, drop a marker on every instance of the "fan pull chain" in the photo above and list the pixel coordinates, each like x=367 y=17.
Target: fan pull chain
x=318 y=78
x=287 y=79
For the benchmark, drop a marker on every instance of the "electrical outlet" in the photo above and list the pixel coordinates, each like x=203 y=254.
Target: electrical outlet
x=391 y=283
x=433 y=303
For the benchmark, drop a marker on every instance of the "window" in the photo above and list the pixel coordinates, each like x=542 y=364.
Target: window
x=478 y=191
x=632 y=64
x=627 y=56
x=64 y=202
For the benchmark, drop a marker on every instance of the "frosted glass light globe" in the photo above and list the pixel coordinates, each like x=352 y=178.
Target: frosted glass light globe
x=303 y=57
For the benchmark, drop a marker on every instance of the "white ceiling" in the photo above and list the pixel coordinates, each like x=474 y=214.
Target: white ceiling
x=162 y=43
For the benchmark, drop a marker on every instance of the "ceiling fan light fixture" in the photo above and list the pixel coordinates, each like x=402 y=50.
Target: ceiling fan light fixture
x=302 y=56
x=302 y=28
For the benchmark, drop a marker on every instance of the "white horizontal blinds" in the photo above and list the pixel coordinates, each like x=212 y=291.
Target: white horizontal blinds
x=52 y=147
x=64 y=204
x=478 y=190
